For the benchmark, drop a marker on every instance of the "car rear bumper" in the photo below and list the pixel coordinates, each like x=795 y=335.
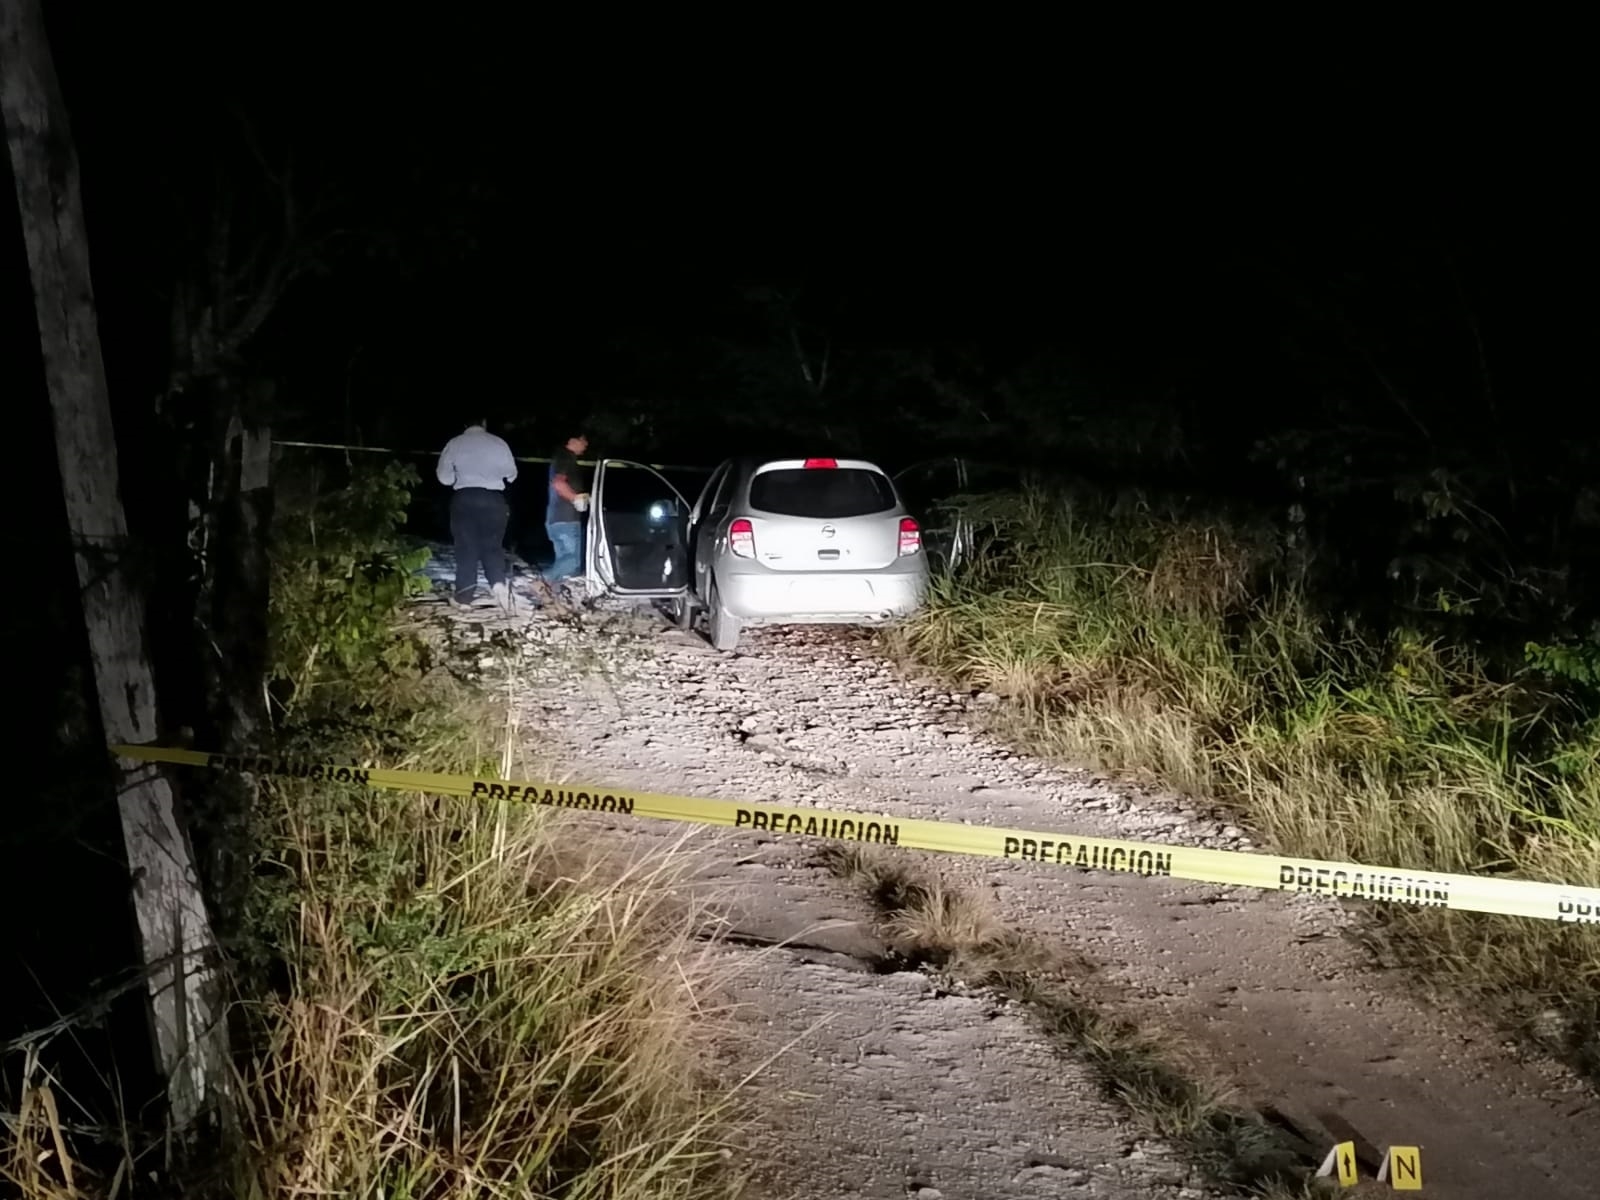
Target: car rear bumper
x=823 y=597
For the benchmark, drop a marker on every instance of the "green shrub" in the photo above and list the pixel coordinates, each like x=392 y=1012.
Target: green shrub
x=341 y=571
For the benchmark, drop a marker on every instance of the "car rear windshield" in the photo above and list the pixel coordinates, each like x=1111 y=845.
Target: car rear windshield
x=823 y=493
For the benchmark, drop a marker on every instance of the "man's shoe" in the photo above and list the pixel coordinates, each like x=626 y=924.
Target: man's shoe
x=502 y=596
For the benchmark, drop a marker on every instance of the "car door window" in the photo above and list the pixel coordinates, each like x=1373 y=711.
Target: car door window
x=927 y=485
x=708 y=495
x=723 y=497
x=925 y=490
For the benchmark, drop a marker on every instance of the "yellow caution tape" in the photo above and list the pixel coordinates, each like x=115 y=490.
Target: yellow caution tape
x=1233 y=868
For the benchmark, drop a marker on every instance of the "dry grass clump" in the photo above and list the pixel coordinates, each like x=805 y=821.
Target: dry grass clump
x=474 y=1009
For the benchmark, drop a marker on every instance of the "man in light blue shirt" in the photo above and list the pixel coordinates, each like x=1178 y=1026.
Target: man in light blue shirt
x=478 y=465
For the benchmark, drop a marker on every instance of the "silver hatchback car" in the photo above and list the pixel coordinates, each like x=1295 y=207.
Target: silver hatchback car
x=769 y=542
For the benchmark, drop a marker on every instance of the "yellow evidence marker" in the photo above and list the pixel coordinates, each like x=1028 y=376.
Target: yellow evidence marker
x=1402 y=1169
x=1341 y=1160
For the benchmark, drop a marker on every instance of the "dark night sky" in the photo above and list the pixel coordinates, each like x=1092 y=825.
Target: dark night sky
x=565 y=210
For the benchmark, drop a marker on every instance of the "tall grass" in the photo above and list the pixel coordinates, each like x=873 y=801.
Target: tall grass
x=438 y=998
x=1186 y=651
x=475 y=1000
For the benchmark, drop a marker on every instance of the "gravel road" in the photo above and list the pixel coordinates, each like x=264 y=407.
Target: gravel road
x=878 y=1083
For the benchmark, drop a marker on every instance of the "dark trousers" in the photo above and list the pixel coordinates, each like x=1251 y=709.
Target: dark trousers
x=478 y=525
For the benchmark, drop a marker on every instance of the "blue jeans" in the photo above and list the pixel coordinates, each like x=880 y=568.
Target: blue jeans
x=567 y=538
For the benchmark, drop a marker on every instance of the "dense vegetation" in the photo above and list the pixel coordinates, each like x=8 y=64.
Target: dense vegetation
x=437 y=997
x=1199 y=651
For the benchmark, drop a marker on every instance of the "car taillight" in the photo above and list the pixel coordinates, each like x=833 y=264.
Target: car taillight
x=910 y=536
x=827 y=464
x=742 y=538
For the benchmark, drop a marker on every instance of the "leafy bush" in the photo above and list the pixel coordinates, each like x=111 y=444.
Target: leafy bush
x=1574 y=661
x=341 y=571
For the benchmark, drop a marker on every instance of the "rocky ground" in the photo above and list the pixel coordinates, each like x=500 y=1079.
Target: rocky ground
x=871 y=1082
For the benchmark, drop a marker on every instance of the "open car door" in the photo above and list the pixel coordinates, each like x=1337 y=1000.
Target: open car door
x=948 y=534
x=924 y=488
x=637 y=540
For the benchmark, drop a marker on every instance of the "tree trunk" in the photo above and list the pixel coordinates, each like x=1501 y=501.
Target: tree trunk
x=189 y=1033
x=218 y=415
x=231 y=506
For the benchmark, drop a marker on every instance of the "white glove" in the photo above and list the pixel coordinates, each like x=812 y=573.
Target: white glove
x=581 y=502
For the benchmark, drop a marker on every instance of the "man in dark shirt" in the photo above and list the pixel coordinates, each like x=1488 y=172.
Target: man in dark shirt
x=563 y=515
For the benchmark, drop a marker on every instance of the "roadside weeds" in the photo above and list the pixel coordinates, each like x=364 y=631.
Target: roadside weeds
x=437 y=996
x=1185 y=652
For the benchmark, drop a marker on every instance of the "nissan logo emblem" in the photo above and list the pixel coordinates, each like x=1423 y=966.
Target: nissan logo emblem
x=828 y=531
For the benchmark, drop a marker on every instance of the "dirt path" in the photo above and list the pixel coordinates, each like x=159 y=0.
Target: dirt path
x=889 y=1087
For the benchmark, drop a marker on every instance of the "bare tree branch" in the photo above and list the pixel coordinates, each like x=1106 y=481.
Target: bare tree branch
x=246 y=284
x=800 y=356
x=253 y=145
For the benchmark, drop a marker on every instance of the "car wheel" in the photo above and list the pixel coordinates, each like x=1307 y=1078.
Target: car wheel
x=722 y=625
x=681 y=609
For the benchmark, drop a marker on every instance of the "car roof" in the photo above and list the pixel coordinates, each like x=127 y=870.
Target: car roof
x=749 y=463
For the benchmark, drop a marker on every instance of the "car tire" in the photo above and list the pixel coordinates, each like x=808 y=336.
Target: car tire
x=722 y=625
x=682 y=610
